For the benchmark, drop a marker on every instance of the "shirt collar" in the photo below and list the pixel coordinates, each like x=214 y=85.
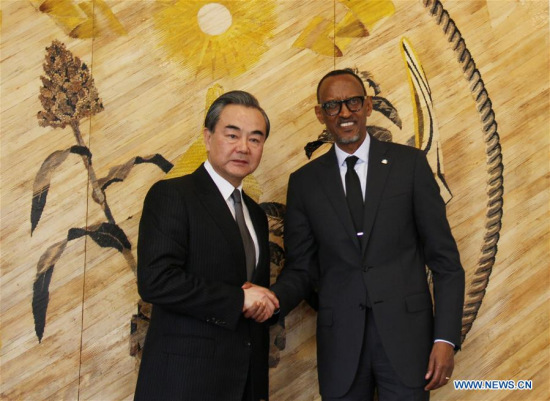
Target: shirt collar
x=225 y=187
x=362 y=152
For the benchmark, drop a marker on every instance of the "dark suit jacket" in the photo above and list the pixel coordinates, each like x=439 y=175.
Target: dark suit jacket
x=191 y=265
x=405 y=228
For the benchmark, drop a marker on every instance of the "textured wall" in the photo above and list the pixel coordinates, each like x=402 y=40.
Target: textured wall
x=468 y=81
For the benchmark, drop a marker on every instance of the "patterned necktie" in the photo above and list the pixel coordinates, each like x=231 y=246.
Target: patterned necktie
x=248 y=243
x=353 y=194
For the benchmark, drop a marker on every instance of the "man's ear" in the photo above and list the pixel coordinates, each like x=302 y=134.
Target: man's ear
x=206 y=137
x=319 y=114
x=368 y=105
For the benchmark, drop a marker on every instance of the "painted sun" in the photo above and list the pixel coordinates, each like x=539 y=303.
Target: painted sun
x=216 y=39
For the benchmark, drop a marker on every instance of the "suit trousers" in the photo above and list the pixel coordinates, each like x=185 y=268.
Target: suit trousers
x=247 y=394
x=375 y=373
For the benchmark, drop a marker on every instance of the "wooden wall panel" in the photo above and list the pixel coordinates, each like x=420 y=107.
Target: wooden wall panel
x=30 y=369
x=487 y=66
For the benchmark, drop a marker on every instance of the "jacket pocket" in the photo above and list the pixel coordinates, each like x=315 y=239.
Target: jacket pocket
x=418 y=302
x=195 y=347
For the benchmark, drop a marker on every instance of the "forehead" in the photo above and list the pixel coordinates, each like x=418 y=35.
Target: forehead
x=340 y=87
x=243 y=117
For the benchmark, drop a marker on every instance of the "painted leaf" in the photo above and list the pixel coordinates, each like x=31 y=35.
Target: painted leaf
x=106 y=235
x=317 y=37
x=138 y=328
x=120 y=172
x=370 y=12
x=65 y=13
x=277 y=255
x=274 y=209
x=427 y=136
x=156 y=159
x=41 y=294
x=380 y=133
x=276 y=214
x=42 y=180
x=100 y=22
x=311 y=147
x=383 y=106
x=351 y=27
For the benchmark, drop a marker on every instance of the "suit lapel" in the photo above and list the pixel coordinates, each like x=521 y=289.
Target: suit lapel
x=331 y=182
x=378 y=170
x=216 y=206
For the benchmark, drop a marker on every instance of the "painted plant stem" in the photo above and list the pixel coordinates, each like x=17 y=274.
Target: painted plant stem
x=97 y=193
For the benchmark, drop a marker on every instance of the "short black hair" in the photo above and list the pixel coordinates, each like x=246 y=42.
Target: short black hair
x=345 y=71
x=233 y=97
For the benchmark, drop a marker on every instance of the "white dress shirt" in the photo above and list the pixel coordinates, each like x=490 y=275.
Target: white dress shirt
x=361 y=166
x=226 y=189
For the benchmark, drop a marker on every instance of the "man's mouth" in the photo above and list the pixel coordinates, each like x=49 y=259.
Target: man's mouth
x=346 y=124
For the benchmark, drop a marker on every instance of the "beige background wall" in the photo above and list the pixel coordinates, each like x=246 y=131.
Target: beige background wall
x=153 y=63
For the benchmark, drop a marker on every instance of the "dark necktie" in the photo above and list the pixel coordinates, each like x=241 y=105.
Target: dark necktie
x=249 y=249
x=353 y=194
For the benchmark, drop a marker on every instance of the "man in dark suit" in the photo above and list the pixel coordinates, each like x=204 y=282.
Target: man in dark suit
x=201 y=240
x=360 y=232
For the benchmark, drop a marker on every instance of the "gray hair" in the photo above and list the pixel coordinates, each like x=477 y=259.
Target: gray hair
x=234 y=97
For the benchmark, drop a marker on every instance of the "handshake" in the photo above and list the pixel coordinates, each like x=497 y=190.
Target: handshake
x=259 y=302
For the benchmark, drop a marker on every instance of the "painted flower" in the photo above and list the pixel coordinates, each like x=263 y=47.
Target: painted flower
x=216 y=39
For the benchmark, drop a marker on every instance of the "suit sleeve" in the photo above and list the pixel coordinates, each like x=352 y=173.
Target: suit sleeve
x=297 y=279
x=162 y=274
x=440 y=252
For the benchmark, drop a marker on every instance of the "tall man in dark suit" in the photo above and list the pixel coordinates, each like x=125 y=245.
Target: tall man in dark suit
x=360 y=232
x=201 y=240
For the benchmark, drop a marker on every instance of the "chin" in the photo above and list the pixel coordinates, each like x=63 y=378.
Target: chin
x=347 y=141
x=241 y=173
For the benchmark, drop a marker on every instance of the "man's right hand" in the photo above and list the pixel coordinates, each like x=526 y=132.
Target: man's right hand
x=259 y=302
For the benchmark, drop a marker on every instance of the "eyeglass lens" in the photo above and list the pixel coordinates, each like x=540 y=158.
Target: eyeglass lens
x=334 y=107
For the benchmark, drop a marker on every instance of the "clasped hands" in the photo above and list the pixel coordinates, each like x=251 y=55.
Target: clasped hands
x=259 y=302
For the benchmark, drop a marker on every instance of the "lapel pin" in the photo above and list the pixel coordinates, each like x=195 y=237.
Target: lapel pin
x=384 y=161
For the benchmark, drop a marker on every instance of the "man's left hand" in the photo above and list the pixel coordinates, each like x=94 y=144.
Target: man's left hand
x=259 y=302
x=441 y=365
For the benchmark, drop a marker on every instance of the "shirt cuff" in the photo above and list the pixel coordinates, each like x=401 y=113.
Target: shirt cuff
x=439 y=340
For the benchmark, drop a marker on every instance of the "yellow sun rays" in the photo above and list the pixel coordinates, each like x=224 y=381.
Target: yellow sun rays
x=216 y=38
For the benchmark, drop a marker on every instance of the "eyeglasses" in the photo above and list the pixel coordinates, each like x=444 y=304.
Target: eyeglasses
x=333 y=107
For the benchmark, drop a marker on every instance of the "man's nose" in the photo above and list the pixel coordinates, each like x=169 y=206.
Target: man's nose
x=242 y=144
x=344 y=110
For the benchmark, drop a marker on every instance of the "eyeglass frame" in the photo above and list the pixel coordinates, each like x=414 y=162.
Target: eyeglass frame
x=341 y=102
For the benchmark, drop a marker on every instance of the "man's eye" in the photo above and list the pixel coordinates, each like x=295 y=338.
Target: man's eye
x=353 y=101
x=330 y=105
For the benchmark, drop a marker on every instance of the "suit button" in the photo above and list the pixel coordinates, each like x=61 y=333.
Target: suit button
x=362 y=306
x=248 y=344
